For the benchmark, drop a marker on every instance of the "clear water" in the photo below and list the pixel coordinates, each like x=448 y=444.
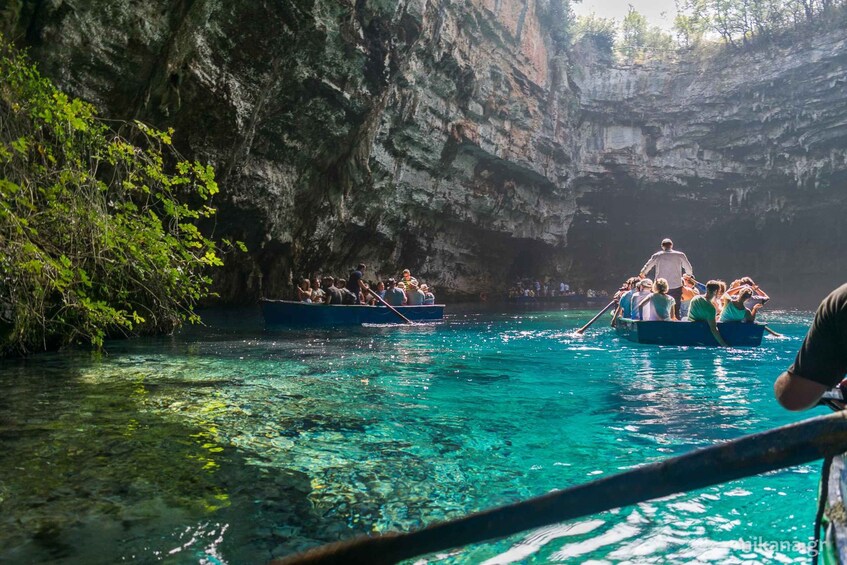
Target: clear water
x=234 y=444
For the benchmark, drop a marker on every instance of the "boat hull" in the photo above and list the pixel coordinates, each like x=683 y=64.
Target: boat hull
x=834 y=549
x=290 y=313
x=735 y=334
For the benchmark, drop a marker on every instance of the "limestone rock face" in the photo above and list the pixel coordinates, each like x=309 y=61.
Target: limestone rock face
x=459 y=140
x=741 y=158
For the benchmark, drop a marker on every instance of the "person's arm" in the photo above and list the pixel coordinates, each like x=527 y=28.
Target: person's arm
x=686 y=264
x=713 y=326
x=796 y=393
x=733 y=290
x=761 y=293
x=750 y=313
x=641 y=305
x=615 y=316
x=651 y=262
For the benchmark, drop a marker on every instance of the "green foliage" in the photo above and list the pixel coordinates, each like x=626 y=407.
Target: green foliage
x=735 y=22
x=98 y=233
x=739 y=21
x=637 y=40
x=600 y=31
x=561 y=19
x=634 y=30
x=692 y=21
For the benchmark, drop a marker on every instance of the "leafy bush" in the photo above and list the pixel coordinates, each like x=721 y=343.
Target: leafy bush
x=601 y=31
x=98 y=233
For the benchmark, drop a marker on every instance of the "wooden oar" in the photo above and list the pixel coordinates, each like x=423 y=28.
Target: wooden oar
x=750 y=455
x=594 y=319
x=773 y=333
x=390 y=307
x=618 y=311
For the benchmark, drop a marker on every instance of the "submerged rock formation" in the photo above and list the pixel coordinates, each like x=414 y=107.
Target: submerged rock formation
x=463 y=141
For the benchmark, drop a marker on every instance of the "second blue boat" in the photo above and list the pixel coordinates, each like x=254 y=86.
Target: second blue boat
x=737 y=334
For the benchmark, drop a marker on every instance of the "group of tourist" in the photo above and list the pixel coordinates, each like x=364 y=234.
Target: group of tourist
x=821 y=362
x=355 y=290
x=537 y=289
x=641 y=298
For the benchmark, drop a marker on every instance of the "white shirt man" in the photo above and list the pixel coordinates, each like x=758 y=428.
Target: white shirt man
x=669 y=265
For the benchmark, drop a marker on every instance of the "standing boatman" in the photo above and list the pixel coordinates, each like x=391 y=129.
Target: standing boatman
x=669 y=265
x=356 y=284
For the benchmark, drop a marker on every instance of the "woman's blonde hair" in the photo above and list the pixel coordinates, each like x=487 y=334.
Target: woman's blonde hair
x=660 y=286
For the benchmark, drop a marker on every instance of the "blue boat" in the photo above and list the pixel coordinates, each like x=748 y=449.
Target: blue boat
x=291 y=313
x=736 y=334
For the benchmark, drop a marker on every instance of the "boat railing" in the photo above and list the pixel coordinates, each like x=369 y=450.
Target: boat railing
x=816 y=438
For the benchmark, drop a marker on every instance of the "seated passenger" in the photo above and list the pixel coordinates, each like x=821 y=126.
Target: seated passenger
x=624 y=298
x=690 y=289
x=429 y=297
x=720 y=298
x=332 y=295
x=380 y=291
x=702 y=309
x=317 y=291
x=304 y=291
x=662 y=304
x=347 y=297
x=642 y=292
x=759 y=296
x=394 y=295
x=735 y=311
x=414 y=296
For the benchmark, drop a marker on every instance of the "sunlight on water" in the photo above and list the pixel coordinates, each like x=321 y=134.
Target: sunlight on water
x=232 y=444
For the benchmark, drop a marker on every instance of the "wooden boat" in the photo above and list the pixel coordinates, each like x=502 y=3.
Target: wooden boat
x=834 y=548
x=736 y=334
x=291 y=313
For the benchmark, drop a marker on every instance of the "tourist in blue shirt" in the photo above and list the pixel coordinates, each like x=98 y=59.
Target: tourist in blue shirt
x=624 y=297
x=394 y=296
x=625 y=300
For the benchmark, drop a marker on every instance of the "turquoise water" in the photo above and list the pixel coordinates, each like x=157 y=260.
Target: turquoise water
x=234 y=444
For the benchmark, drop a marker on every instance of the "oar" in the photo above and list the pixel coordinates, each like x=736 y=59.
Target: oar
x=750 y=455
x=773 y=333
x=618 y=311
x=594 y=319
x=389 y=306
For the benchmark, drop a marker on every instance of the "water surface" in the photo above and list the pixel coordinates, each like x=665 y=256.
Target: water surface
x=235 y=444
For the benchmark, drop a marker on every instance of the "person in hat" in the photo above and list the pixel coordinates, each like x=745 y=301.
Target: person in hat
x=332 y=294
x=414 y=295
x=429 y=297
x=394 y=296
x=643 y=290
x=669 y=265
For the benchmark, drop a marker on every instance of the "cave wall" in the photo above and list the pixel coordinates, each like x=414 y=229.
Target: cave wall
x=458 y=140
x=740 y=157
